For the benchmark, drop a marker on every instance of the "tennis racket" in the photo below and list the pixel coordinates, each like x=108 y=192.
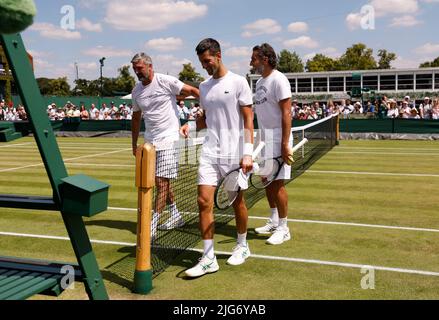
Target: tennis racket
x=228 y=188
x=270 y=168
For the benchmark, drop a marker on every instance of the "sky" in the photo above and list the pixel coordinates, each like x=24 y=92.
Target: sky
x=71 y=36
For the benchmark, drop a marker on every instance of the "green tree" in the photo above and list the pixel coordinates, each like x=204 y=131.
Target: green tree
x=83 y=88
x=188 y=74
x=321 y=63
x=121 y=85
x=358 y=57
x=386 y=59
x=430 y=64
x=44 y=85
x=54 y=87
x=124 y=82
x=289 y=62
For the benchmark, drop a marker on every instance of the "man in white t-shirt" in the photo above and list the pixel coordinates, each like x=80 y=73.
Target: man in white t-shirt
x=155 y=97
x=183 y=111
x=272 y=108
x=425 y=109
x=405 y=110
x=227 y=100
x=93 y=110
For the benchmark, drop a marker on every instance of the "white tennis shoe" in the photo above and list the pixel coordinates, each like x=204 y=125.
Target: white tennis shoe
x=154 y=221
x=240 y=253
x=172 y=223
x=269 y=228
x=204 y=266
x=280 y=235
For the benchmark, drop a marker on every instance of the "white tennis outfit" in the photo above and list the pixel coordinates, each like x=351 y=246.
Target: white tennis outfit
x=158 y=104
x=222 y=100
x=269 y=91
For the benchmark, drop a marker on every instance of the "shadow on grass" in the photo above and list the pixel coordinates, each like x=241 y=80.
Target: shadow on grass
x=169 y=249
x=114 y=224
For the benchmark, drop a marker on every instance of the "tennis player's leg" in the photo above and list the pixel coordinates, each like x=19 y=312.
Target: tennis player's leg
x=273 y=221
x=270 y=151
x=167 y=169
x=159 y=204
x=162 y=185
x=208 y=177
x=205 y=206
x=282 y=232
x=241 y=251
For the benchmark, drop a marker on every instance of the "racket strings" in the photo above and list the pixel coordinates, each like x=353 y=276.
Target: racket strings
x=227 y=190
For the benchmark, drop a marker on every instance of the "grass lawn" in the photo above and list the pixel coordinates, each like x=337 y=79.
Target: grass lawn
x=365 y=203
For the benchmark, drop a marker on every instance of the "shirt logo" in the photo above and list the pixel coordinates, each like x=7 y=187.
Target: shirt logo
x=226 y=92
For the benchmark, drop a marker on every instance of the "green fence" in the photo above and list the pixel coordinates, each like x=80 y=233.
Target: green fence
x=75 y=124
x=383 y=125
x=61 y=101
x=346 y=125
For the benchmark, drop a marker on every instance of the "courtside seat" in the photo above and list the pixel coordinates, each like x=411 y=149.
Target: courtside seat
x=23 y=278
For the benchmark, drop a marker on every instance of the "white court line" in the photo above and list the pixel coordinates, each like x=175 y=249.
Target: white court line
x=352 y=224
x=39 y=236
x=102 y=165
x=253 y=256
x=376 y=173
x=379 y=148
x=333 y=263
x=15 y=144
x=61 y=143
x=307 y=171
x=70 y=159
x=334 y=151
x=84 y=148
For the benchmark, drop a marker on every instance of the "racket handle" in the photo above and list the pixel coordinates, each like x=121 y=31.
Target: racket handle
x=258 y=150
x=300 y=144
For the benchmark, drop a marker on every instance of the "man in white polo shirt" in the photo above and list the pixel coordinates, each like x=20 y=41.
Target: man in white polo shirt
x=227 y=101
x=155 y=97
x=273 y=111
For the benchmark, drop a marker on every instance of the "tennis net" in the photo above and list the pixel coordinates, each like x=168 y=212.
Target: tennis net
x=182 y=190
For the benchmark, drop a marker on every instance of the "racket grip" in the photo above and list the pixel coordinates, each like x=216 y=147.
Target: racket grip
x=300 y=144
x=258 y=150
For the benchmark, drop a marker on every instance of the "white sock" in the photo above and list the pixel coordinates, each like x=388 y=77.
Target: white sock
x=274 y=216
x=208 y=248
x=154 y=219
x=242 y=239
x=283 y=222
x=174 y=211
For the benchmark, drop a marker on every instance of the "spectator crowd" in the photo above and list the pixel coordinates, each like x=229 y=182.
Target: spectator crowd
x=111 y=112
x=9 y=113
x=379 y=109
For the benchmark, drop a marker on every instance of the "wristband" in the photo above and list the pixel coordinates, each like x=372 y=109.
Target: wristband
x=248 y=149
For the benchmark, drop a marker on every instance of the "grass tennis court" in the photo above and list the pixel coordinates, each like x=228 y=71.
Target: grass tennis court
x=365 y=203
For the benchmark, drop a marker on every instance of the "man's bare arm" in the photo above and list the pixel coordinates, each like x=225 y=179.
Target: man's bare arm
x=285 y=107
x=135 y=129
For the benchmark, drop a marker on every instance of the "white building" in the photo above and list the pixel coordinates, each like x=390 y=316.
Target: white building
x=338 y=83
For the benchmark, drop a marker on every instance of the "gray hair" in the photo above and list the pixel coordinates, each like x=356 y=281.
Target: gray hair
x=141 y=56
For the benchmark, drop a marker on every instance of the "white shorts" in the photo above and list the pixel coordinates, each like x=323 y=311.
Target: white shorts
x=166 y=163
x=210 y=173
x=284 y=173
